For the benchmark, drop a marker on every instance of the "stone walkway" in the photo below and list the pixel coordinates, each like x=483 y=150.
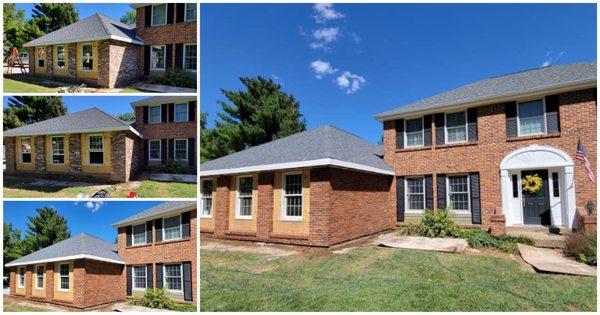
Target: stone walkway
x=162 y=88
x=164 y=177
x=448 y=245
x=124 y=307
x=548 y=260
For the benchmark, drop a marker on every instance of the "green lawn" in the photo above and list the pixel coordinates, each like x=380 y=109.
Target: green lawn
x=378 y=279
x=27 y=84
x=20 y=308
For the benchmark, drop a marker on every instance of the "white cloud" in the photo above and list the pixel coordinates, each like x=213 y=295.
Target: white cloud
x=322 y=68
x=326 y=34
x=325 y=12
x=552 y=58
x=94 y=205
x=350 y=82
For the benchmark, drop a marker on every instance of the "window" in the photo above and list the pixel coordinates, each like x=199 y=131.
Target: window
x=139 y=277
x=87 y=57
x=515 y=186
x=456 y=127
x=41 y=57
x=96 y=146
x=181 y=149
x=60 y=56
x=172 y=228
x=555 y=189
x=39 y=277
x=139 y=234
x=190 y=12
x=206 y=190
x=173 y=277
x=154 y=115
x=58 y=150
x=531 y=117
x=154 y=150
x=26 y=150
x=414 y=132
x=189 y=57
x=157 y=57
x=21 y=277
x=159 y=14
x=458 y=192
x=181 y=112
x=292 y=196
x=244 y=197
x=415 y=193
x=64 y=277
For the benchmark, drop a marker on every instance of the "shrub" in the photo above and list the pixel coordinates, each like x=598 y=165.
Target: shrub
x=173 y=77
x=174 y=167
x=581 y=247
x=158 y=299
x=437 y=223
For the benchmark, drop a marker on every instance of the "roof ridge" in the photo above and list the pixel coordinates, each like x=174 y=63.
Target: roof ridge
x=102 y=23
x=109 y=115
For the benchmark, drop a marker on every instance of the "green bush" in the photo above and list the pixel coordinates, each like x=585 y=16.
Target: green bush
x=159 y=299
x=581 y=247
x=174 y=167
x=174 y=77
x=437 y=223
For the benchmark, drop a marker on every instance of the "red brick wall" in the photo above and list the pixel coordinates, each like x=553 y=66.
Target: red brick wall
x=173 y=130
x=103 y=283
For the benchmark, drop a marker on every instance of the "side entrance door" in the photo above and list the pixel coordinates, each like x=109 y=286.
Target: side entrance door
x=536 y=206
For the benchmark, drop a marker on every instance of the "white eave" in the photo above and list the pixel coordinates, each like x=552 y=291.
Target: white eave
x=43 y=133
x=156 y=216
x=64 y=258
x=86 y=39
x=158 y=100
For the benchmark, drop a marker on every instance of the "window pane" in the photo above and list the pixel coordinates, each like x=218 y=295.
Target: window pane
x=414 y=139
x=25 y=146
x=154 y=150
x=414 y=125
x=457 y=134
x=245 y=186
x=531 y=117
x=246 y=206
x=456 y=119
x=158 y=57
x=96 y=157
x=293 y=184
x=88 y=57
x=181 y=113
x=415 y=185
x=190 y=57
x=458 y=190
x=58 y=145
x=139 y=234
x=181 y=149
x=206 y=193
x=293 y=206
x=415 y=202
x=159 y=14
x=171 y=222
x=173 y=277
x=60 y=56
x=96 y=143
x=207 y=187
x=190 y=11
x=458 y=183
x=154 y=114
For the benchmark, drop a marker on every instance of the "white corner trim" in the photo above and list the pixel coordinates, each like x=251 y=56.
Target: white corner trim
x=63 y=258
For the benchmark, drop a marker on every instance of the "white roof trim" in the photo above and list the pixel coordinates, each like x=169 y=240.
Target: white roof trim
x=156 y=216
x=159 y=100
x=63 y=258
x=291 y=165
x=84 y=39
x=43 y=133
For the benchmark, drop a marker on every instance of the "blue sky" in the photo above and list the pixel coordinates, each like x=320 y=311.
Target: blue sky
x=113 y=10
x=92 y=217
x=110 y=104
x=371 y=58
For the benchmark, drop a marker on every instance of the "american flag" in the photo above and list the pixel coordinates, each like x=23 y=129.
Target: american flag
x=582 y=156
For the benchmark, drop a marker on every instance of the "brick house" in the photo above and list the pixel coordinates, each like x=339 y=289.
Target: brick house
x=159 y=249
x=81 y=272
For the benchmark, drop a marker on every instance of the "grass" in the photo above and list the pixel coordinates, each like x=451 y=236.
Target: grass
x=30 y=84
x=155 y=189
x=377 y=279
x=11 y=306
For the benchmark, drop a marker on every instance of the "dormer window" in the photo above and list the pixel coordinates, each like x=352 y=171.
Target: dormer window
x=531 y=118
x=414 y=132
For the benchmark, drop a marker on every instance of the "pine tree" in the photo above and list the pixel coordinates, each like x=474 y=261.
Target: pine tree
x=24 y=110
x=52 y=16
x=45 y=229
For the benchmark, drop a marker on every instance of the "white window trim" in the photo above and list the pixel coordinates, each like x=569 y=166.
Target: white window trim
x=159 y=115
x=37 y=276
x=164 y=58
x=95 y=150
x=133 y=243
x=65 y=60
x=446 y=128
x=185 y=19
x=186 y=149
x=152 y=14
x=284 y=216
x=93 y=57
x=21 y=150
x=19 y=284
x=180 y=229
x=68 y=277
x=133 y=287
x=52 y=150
x=468 y=192
x=183 y=61
x=159 y=150
x=406 y=194
x=202 y=215
x=422 y=134
x=187 y=110
x=519 y=118
x=237 y=199
x=165 y=286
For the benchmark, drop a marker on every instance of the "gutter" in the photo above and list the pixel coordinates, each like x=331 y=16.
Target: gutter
x=152 y=217
x=43 y=133
x=83 y=40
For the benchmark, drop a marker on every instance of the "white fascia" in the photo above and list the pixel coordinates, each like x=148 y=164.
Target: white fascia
x=64 y=258
x=154 y=217
x=43 y=133
x=85 y=40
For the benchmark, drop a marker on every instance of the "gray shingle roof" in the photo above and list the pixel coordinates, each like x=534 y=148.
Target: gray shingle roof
x=81 y=244
x=94 y=27
x=512 y=84
x=326 y=142
x=89 y=120
x=156 y=211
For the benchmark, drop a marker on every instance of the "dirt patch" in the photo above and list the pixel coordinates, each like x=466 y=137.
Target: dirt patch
x=24 y=303
x=270 y=250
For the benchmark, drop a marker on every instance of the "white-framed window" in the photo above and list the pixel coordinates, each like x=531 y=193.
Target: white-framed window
x=139 y=278
x=39 y=277
x=157 y=57
x=159 y=14
x=25 y=149
x=458 y=193
x=181 y=149
x=64 y=276
x=244 y=197
x=58 y=150
x=172 y=228
x=456 y=127
x=139 y=234
x=154 y=149
x=173 y=277
x=292 y=196
x=189 y=57
x=181 y=112
x=413 y=132
x=531 y=116
x=40 y=57
x=21 y=277
x=206 y=198
x=415 y=194
x=87 y=57
x=190 y=12
x=60 y=56
x=154 y=115
x=96 y=149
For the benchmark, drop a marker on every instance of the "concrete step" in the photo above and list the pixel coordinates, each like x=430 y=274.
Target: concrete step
x=546 y=237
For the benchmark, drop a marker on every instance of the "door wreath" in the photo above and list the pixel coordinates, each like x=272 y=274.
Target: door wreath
x=532 y=183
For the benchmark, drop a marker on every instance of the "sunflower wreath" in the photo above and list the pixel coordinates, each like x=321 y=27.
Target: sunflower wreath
x=532 y=183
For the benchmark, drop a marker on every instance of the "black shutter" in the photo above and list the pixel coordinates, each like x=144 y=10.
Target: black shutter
x=192 y=111
x=145 y=112
x=429 y=192
x=145 y=151
x=148 y=15
x=148 y=232
x=472 y=124
x=128 y=236
x=555 y=190
x=475 y=198
x=552 y=117
x=185 y=224
x=515 y=186
x=163 y=113
x=180 y=12
x=170 y=13
x=191 y=152
x=146 y=59
x=171 y=112
x=159 y=276
x=400 y=199
x=511 y=120
x=163 y=151
x=441 y=191
x=440 y=132
x=179 y=56
x=399 y=133
x=149 y=282
x=427 y=130
x=187 y=281
x=129 y=284
x=171 y=149
x=158 y=229
x=169 y=56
